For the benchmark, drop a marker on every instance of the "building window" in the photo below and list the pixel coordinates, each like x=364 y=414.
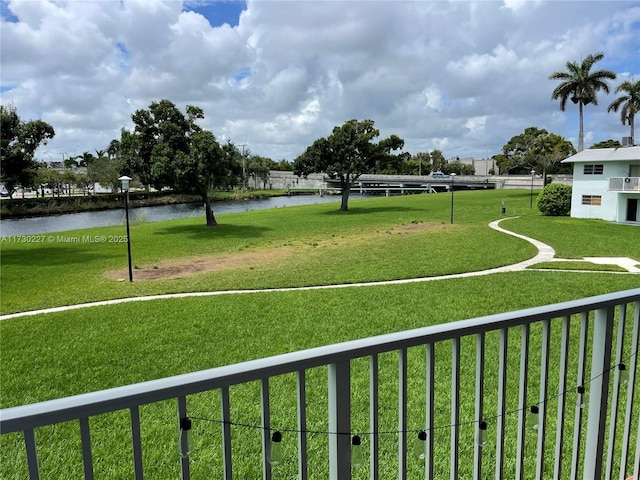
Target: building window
x=593 y=169
x=591 y=200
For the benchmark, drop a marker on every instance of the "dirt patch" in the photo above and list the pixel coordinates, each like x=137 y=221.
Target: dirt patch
x=186 y=267
x=416 y=227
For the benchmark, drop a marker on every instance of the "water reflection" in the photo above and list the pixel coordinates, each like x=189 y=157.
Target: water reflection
x=72 y=221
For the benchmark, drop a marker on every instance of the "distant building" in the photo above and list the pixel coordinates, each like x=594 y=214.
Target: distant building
x=606 y=184
x=483 y=166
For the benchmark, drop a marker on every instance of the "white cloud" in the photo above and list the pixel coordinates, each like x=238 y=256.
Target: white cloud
x=463 y=77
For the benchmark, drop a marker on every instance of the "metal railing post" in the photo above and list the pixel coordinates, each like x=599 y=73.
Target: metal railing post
x=598 y=393
x=340 y=421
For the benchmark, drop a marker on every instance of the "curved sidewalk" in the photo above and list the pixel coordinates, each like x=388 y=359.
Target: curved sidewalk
x=545 y=254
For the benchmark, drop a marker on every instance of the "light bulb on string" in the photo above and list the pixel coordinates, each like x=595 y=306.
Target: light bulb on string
x=581 y=396
x=420 y=445
x=357 y=456
x=185 y=445
x=482 y=438
x=533 y=417
x=275 y=448
x=623 y=374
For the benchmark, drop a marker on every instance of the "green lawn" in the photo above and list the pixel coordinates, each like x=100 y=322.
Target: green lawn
x=61 y=354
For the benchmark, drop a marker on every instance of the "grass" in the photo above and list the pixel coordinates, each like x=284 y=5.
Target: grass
x=585 y=266
x=61 y=354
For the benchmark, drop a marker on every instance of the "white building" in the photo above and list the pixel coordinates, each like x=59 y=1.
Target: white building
x=606 y=184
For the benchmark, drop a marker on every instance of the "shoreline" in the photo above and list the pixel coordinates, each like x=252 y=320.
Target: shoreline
x=22 y=208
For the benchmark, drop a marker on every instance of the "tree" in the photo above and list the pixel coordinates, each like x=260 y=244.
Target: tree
x=346 y=154
x=85 y=159
x=628 y=104
x=423 y=159
x=534 y=148
x=581 y=85
x=611 y=143
x=199 y=169
x=105 y=171
x=70 y=163
x=19 y=142
x=438 y=162
x=174 y=151
x=258 y=168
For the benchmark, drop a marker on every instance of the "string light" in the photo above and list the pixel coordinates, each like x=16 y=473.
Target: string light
x=533 y=417
x=275 y=448
x=482 y=438
x=420 y=445
x=623 y=374
x=184 y=448
x=581 y=396
x=357 y=456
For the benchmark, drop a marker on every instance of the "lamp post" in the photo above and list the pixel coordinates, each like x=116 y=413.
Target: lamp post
x=453 y=176
x=533 y=172
x=125 y=188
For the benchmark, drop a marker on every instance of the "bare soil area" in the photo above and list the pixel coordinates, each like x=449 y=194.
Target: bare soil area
x=186 y=267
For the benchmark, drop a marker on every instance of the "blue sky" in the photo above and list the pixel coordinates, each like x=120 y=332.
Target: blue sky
x=460 y=76
x=218 y=12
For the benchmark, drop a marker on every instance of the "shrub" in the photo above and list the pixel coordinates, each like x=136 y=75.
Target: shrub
x=555 y=200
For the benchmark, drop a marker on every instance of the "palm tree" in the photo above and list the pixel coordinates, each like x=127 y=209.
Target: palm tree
x=630 y=104
x=581 y=86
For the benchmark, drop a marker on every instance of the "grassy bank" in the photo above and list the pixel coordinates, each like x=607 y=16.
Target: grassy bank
x=55 y=355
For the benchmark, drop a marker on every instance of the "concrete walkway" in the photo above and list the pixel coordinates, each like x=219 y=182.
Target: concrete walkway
x=545 y=254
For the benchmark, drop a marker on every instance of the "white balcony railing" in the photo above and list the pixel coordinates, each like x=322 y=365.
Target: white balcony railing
x=624 y=184
x=568 y=360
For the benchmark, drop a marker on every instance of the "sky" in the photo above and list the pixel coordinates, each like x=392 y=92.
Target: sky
x=463 y=77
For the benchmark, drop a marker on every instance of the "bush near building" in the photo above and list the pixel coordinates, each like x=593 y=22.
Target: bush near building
x=555 y=200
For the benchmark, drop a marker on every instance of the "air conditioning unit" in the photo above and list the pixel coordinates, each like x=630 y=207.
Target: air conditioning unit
x=626 y=142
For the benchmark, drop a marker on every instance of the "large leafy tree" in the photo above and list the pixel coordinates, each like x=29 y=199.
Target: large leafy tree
x=629 y=104
x=19 y=142
x=581 y=85
x=169 y=149
x=259 y=168
x=611 y=143
x=105 y=171
x=534 y=148
x=347 y=153
x=203 y=166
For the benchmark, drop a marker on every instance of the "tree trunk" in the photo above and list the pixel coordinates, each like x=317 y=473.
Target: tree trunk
x=581 y=135
x=344 y=205
x=211 y=219
x=632 y=128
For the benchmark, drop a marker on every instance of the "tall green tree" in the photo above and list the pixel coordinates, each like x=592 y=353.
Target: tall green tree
x=611 y=143
x=167 y=148
x=259 y=168
x=549 y=149
x=18 y=143
x=629 y=104
x=346 y=154
x=85 y=159
x=202 y=167
x=438 y=162
x=535 y=148
x=581 y=85
x=105 y=171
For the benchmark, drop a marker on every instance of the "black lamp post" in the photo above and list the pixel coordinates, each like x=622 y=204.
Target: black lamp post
x=125 y=188
x=533 y=172
x=453 y=176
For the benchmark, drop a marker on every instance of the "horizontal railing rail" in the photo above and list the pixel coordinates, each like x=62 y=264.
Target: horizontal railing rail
x=624 y=184
x=611 y=321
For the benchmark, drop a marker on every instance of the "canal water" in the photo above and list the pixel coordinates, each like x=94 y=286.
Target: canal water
x=71 y=221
